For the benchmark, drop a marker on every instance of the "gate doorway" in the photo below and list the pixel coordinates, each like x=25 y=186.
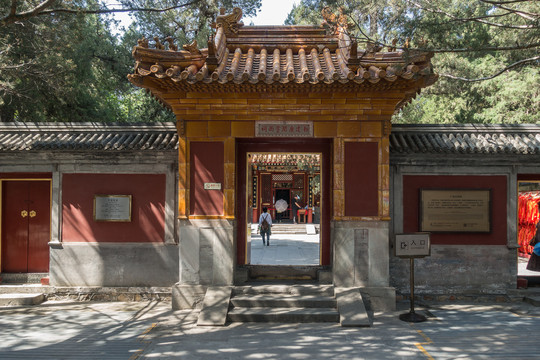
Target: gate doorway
x=292 y=171
x=25 y=225
x=285 y=186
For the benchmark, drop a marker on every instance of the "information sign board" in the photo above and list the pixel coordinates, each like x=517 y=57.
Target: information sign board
x=414 y=245
x=455 y=210
x=112 y=208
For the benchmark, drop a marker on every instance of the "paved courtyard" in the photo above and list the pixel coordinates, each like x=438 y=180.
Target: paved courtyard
x=285 y=249
x=150 y=330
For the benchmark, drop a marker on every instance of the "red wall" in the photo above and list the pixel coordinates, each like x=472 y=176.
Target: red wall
x=498 y=186
x=147 y=208
x=361 y=179
x=207 y=166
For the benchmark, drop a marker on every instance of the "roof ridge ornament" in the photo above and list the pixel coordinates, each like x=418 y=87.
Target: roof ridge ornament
x=143 y=42
x=231 y=22
x=333 y=23
x=172 y=46
x=192 y=48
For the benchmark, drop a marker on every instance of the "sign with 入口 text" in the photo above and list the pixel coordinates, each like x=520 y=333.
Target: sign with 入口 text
x=414 y=245
x=284 y=129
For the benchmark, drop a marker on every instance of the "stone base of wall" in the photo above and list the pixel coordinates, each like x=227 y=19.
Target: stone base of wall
x=188 y=296
x=459 y=270
x=361 y=253
x=206 y=252
x=113 y=264
x=379 y=298
x=471 y=298
x=110 y=294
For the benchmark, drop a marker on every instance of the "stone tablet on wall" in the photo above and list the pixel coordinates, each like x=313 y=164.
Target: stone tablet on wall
x=284 y=129
x=112 y=208
x=455 y=210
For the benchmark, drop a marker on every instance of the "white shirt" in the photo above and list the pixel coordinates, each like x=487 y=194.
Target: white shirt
x=266 y=216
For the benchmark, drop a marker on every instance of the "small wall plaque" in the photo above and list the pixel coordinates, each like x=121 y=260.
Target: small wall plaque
x=212 y=186
x=115 y=208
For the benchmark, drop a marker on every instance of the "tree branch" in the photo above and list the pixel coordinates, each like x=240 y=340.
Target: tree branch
x=504 y=2
x=11 y=67
x=516 y=64
x=42 y=9
x=475 y=19
x=482 y=49
x=13 y=16
x=524 y=14
x=13 y=9
x=368 y=39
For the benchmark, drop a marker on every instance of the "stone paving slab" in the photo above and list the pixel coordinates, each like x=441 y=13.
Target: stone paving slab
x=285 y=249
x=215 y=306
x=352 y=311
x=151 y=330
x=18 y=299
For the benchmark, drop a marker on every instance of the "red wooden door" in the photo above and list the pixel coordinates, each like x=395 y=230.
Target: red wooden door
x=26 y=218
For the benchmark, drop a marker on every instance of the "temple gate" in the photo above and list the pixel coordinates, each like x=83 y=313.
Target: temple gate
x=282 y=89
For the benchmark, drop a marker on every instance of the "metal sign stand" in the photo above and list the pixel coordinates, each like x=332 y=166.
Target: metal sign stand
x=412 y=246
x=412 y=316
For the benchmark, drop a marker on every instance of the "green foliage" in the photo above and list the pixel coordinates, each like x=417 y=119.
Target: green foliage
x=67 y=65
x=185 y=24
x=472 y=40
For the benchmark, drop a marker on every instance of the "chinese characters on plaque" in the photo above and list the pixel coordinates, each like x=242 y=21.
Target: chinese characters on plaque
x=459 y=210
x=115 y=208
x=283 y=129
x=415 y=245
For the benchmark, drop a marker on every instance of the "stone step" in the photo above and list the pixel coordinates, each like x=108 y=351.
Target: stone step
x=283 y=301
x=25 y=289
x=278 y=228
x=305 y=273
x=21 y=299
x=285 y=289
x=534 y=300
x=283 y=315
x=22 y=278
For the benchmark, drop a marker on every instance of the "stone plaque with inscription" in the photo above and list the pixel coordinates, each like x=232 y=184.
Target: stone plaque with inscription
x=284 y=129
x=460 y=210
x=112 y=208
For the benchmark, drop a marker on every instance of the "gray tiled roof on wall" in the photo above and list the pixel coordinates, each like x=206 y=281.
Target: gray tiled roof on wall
x=23 y=136
x=404 y=139
x=517 y=139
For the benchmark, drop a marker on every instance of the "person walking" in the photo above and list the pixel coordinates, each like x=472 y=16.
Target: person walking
x=297 y=205
x=265 y=225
